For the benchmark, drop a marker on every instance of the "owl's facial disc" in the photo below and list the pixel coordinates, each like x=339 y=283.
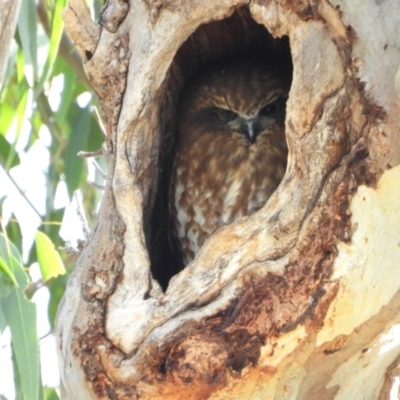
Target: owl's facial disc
x=251 y=126
x=236 y=123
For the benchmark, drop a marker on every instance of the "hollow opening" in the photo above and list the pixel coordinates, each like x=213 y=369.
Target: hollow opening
x=235 y=37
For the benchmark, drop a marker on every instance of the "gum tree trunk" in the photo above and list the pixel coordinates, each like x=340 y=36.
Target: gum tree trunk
x=9 y=11
x=299 y=301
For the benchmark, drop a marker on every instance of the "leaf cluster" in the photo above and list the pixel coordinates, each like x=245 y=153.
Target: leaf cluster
x=41 y=105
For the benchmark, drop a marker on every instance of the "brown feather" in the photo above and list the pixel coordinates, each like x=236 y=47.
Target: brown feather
x=218 y=174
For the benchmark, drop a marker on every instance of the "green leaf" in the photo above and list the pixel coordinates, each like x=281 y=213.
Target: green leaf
x=3 y=322
x=55 y=37
x=4 y=267
x=7 y=278
x=13 y=105
x=17 y=376
x=27 y=27
x=14 y=232
x=8 y=157
x=21 y=110
x=50 y=262
x=50 y=394
x=57 y=289
x=6 y=285
x=67 y=97
x=21 y=65
x=10 y=260
x=41 y=392
x=7 y=114
x=96 y=138
x=20 y=315
x=11 y=263
x=52 y=230
x=74 y=165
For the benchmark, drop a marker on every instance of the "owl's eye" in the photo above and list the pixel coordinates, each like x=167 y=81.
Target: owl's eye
x=273 y=108
x=224 y=115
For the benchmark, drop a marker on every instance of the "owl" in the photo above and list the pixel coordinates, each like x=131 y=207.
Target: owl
x=231 y=152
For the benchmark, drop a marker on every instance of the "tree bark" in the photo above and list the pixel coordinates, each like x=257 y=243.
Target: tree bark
x=300 y=300
x=9 y=11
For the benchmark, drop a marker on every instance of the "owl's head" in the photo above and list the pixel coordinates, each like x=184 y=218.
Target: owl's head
x=246 y=98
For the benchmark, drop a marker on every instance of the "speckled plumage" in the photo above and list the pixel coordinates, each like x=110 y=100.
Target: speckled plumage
x=231 y=154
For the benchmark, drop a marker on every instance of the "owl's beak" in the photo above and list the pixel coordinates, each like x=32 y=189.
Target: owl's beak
x=250 y=131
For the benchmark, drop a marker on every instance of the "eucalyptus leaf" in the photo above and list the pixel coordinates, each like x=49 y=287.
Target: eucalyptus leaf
x=68 y=93
x=14 y=233
x=7 y=114
x=80 y=130
x=8 y=156
x=3 y=322
x=55 y=37
x=20 y=315
x=49 y=259
x=5 y=268
x=11 y=261
x=27 y=27
x=50 y=394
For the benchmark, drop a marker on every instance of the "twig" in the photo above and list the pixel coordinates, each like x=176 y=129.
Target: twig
x=99 y=169
x=81 y=214
x=96 y=185
x=21 y=192
x=89 y=154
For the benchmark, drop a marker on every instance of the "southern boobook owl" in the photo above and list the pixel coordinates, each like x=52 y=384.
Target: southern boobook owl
x=231 y=153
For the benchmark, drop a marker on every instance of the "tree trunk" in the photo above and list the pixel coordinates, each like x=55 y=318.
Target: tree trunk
x=9 y=11
x=300 y=300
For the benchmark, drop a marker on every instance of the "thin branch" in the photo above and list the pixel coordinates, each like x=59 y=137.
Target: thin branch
x=90 y=154
x=100 y=121
x=99 y=169
x=21 y=192
x=96 y=185
x=81 y=214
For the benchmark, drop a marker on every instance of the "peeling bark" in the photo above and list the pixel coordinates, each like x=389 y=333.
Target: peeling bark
x=296 y=301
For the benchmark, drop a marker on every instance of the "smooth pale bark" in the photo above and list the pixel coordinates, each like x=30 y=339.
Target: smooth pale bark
x=300 y=300
x=9 y=11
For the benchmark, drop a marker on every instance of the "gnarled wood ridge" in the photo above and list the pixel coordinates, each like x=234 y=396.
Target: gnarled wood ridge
x=300 y=300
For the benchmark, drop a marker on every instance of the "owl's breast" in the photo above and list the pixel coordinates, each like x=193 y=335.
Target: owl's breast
x=218 y=181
